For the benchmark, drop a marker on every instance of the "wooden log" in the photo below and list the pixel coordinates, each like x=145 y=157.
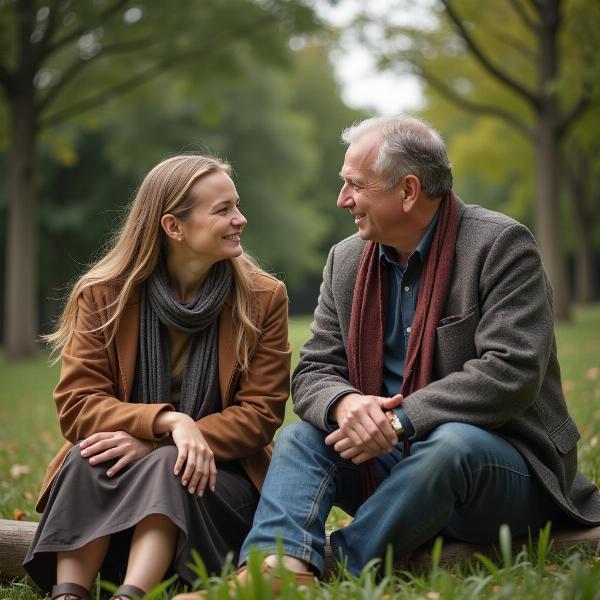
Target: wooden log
x=16 y=536
x=563 y=539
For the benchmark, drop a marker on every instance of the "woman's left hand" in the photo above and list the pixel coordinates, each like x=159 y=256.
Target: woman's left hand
x=110 y=445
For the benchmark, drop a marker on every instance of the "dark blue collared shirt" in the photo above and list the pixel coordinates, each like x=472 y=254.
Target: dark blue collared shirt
x=403 y=291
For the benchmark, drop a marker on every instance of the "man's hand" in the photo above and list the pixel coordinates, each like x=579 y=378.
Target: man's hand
x=109 y=445
x=364 y=429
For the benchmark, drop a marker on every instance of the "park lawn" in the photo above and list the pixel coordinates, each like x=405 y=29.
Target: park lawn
x=29 y=437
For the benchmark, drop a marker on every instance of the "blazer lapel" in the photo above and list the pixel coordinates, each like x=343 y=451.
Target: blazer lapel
x=126 y=341
x=226 y=354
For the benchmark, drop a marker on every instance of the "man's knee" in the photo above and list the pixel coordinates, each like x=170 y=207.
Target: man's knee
x=456 y=444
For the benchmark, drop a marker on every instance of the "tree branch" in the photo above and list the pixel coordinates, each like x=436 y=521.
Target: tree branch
x=485 y=62
x=574 y=113
x=515 y=44
x=200 y=54
x=104 y=16
x=475 y=107
x=77 y=66
x=525 y=18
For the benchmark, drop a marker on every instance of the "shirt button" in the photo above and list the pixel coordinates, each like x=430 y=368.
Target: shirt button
x=408 y=330
x=407 y=288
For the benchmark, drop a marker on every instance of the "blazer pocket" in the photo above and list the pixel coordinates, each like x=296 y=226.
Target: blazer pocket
x=455 y=343
x=565 y=436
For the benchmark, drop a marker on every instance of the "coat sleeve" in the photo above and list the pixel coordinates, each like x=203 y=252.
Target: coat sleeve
x=258 y=407
x=513 y=340
x=86 y=394
x=321 y=376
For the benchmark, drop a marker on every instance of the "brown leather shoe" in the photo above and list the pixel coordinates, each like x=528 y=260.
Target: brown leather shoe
x=242 y=579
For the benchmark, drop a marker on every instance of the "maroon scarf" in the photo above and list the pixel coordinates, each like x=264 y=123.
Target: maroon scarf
x=367 y=319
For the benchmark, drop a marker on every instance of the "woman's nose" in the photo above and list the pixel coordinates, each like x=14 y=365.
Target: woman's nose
x=239 y=219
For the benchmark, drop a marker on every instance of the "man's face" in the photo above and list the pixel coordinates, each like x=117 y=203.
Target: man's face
x=377 y=212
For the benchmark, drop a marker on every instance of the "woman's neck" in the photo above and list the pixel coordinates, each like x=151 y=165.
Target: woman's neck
x=186 y=277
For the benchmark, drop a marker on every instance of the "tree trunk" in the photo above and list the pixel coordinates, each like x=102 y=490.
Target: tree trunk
x=20 y=309
x=547 y=217
x=585 y=267
x=547 y=150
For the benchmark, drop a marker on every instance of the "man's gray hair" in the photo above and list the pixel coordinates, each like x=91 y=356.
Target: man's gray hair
x=408 y=146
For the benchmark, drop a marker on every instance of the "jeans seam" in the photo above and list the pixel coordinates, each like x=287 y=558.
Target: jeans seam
x=503 y=467
x=314 y=509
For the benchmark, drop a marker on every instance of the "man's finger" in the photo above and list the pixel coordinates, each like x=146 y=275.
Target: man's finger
x=390 y=403
x=334 y=437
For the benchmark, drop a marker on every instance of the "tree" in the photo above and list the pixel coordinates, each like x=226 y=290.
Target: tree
x=61 y=60
x=515 y=46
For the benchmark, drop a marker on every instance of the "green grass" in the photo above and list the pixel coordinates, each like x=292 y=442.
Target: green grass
x=29 y=437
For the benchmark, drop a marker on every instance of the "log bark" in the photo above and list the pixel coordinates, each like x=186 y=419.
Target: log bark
x=16 y=536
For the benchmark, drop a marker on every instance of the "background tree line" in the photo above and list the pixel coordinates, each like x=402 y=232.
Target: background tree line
x=98 y=91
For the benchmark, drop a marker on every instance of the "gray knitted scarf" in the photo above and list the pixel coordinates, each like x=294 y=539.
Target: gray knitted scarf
x=200 y=394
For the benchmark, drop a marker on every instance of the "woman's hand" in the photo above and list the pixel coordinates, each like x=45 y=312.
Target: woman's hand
x=194 y=455
x=108 y=445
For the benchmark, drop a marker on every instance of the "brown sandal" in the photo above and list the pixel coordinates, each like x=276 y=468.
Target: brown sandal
x=128 y=591
x=70 y=591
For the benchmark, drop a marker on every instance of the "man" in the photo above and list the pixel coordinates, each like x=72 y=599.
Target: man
x=430 y=389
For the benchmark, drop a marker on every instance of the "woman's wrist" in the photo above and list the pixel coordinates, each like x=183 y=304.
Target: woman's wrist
x=166 y=421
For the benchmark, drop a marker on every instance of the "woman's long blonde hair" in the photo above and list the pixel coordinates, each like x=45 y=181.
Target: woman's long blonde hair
x=135 y=250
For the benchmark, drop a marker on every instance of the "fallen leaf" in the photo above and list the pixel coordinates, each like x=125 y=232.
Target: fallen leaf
x=19 y=515
x=568 y=386
x=433 y=595
x=28 y=496
x=496 y=589
x=17 y=470
x=594 y=441
x=552 y=567
x=592 y=374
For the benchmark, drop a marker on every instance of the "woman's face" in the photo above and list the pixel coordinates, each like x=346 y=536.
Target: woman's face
x=212 y=229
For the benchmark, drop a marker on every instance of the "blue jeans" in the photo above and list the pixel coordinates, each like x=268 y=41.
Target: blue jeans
x=460 y=481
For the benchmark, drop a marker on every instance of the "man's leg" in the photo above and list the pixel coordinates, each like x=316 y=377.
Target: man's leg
x=460 y=477
x=303 y=481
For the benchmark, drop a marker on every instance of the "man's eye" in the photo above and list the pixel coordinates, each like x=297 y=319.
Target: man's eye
x=222 y=211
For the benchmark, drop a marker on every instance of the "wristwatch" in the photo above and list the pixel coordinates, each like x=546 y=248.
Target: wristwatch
x=395 y=423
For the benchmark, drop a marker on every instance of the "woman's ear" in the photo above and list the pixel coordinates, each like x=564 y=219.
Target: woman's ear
x=170 y=225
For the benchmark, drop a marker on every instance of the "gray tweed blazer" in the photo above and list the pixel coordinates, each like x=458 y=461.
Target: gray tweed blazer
x=495 y=363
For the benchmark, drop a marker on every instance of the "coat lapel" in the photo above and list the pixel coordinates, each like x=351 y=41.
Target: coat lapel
x=126 y=341
x=226 y=354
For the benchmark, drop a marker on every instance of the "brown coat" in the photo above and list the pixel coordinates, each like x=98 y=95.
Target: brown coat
x=95 y=382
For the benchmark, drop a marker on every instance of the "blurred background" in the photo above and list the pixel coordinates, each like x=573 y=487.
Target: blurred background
x=96 y=92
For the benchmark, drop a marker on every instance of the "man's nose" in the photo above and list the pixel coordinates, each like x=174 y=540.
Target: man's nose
x=345 y=199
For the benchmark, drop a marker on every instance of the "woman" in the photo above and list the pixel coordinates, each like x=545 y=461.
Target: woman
x=175 y=374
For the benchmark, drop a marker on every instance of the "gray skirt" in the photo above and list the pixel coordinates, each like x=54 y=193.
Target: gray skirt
x=84 y=504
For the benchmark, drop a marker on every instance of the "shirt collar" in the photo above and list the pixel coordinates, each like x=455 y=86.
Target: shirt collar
x=422 y=249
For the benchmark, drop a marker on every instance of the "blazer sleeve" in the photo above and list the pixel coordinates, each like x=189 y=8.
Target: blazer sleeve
x=513 y=340
x=258 y=407
x=321 y=376
x=86 y=394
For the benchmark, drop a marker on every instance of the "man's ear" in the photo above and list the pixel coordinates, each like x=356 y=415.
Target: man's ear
x=170 y=225
x=411 y=189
